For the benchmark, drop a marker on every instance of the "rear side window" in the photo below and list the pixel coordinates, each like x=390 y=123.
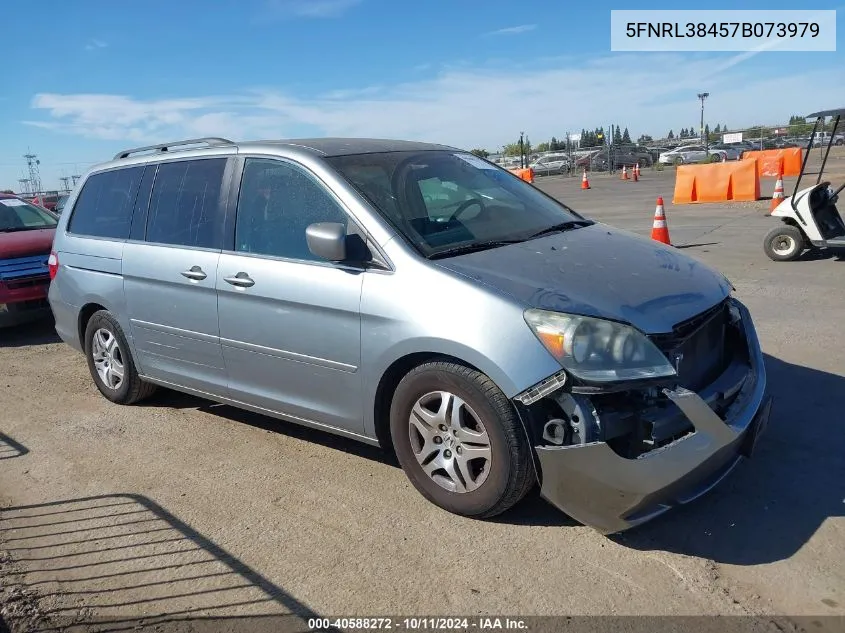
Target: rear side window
x=185 y=206
x=142 y=200
x=104 y=207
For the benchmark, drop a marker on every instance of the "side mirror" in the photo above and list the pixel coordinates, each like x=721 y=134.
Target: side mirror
x=327 y=240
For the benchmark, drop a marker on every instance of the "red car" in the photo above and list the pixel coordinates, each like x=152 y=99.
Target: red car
x=26 y=235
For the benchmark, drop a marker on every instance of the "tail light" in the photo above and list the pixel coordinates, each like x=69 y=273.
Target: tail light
x=53 y=264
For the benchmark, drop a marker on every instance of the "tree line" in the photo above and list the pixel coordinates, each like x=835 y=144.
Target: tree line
x=620 y=136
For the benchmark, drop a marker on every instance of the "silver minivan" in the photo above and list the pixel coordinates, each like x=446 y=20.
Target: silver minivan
x=420 y=298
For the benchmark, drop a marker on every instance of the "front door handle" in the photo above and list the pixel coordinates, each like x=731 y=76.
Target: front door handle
x=241 y=279
x=195 y=272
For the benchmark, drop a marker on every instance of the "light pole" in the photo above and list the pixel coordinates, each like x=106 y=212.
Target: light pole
x=521 y=146
x=703 y=96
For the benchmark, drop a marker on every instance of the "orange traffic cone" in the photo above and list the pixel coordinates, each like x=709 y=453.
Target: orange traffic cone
x=624 y=172
x=585 y=184
x=778 y=196
x=659 y=230
x=635 y=172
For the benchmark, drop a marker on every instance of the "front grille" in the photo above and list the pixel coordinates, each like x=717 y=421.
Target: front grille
x=696 y=347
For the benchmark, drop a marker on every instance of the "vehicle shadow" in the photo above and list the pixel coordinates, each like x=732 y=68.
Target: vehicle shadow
x=9 y=448
x=818 y=254
x=123 y=562
x=772 y=504
x=41 y=332
x=179 y=400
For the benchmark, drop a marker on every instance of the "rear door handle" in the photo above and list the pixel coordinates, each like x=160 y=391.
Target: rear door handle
x=195 y=272
x=241 y=280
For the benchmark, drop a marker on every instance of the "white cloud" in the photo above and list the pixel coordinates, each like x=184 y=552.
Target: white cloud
x=465 y=106
x=514 y=30
x=93 y=45
x=309 y=8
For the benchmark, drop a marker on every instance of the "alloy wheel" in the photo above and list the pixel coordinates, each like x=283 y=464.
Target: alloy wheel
x=450 y=442
x=108 y=358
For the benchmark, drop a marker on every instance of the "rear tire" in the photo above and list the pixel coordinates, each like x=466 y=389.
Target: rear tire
x=442 y=413
x=110 y=361
x=784 y=243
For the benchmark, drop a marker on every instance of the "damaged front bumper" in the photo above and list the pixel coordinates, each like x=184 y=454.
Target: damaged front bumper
x=598 y=487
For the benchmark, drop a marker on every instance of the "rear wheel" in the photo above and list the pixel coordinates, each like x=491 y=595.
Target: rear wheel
x=110 y=361
x=459 y=440
x=784 y=243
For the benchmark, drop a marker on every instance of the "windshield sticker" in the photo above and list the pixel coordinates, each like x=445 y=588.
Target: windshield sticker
x=475 y=161
x=12 y=202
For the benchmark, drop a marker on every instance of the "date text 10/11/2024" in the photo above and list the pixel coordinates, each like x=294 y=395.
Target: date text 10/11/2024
x=417 y=624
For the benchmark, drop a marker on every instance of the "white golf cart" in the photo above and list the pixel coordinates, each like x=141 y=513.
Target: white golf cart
x=810 y=217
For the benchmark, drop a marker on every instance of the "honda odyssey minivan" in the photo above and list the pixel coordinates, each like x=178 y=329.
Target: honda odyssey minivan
x=416 y=297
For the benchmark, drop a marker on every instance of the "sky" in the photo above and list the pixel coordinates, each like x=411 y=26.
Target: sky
x=81 y=80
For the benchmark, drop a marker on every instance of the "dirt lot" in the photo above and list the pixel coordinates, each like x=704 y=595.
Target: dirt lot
x=181 y=508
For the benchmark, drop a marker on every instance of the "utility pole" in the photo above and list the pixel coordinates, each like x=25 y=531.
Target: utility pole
x=521 y=151
x=702 y=96
x=75 y=178
x=24 y=185
x=65 y=180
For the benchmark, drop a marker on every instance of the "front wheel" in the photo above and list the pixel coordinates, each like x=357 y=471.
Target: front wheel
x=784 y=243
x=459 y=440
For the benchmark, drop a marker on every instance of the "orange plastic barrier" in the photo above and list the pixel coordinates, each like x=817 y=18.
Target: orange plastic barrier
x=527 y=174
x=717 y=182
x=769 y=161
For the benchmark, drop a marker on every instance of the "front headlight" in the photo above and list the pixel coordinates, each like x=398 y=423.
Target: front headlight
x=596 y=350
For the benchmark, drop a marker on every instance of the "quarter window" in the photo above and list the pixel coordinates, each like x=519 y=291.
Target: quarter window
x=185 y=206
x=277 y=203
x=104 y=206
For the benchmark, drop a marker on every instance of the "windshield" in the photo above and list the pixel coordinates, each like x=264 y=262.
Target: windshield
x=18 y=215
x=440 y=200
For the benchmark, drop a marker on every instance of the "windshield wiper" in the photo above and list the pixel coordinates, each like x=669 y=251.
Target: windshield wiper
x=472 y=248
x=563 y=226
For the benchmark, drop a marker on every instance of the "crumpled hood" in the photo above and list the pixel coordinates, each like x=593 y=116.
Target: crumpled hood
x=599 y=271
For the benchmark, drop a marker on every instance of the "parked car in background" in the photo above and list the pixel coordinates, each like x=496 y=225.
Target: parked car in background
x=655 y=152
x=46 y=200
x=60 y=203
x=683 y=155
x=731 y=152
x=551 y=164
x=26 y=235
x=821 y=139
x=414 y=296
x=630 y=155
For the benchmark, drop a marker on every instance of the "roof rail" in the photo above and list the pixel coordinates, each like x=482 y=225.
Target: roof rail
x=209 y=141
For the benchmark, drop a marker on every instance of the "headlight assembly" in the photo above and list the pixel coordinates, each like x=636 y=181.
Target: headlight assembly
x=596 y=350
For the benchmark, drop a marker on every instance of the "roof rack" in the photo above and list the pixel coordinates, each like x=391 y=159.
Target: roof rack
x=208 y=141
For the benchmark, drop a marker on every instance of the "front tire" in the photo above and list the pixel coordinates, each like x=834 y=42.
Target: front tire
x=784 y=243
x=459 y=440
x=110 y=361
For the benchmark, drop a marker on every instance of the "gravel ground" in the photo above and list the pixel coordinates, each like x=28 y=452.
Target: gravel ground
x=179 y=508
